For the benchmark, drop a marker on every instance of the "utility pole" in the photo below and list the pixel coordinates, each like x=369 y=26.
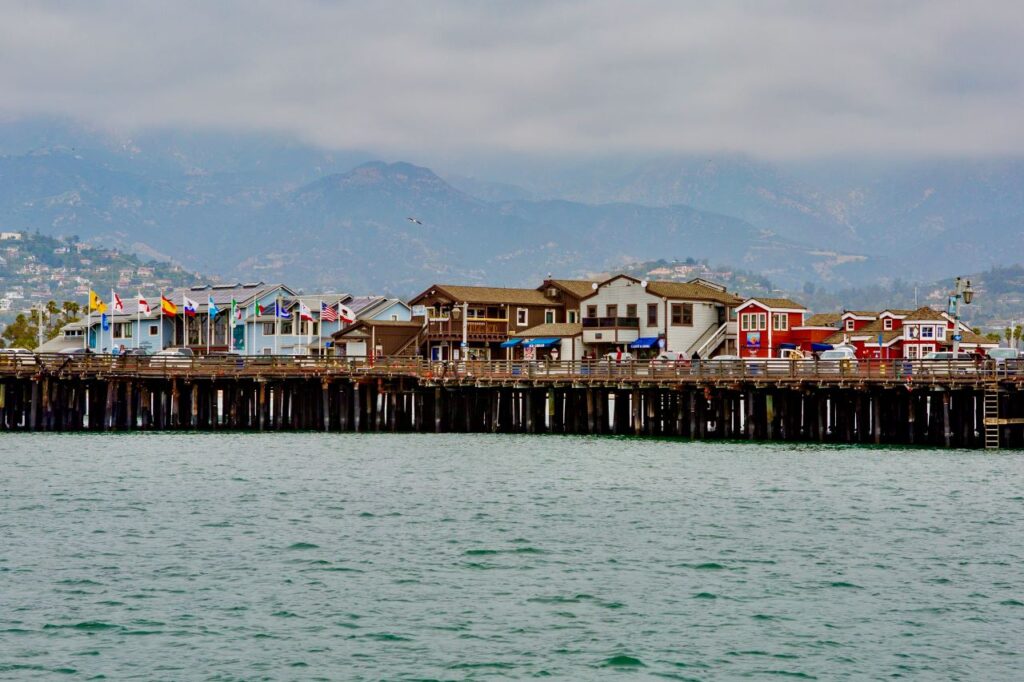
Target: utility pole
x=962 y=291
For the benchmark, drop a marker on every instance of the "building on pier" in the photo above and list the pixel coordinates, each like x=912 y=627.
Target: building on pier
x=469 y=322
x=694 y=318
x=769 y=325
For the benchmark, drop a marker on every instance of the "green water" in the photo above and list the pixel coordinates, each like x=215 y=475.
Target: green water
x=326 y=556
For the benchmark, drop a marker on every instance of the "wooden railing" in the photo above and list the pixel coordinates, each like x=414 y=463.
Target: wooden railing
x=907 y=371
x=475 y=328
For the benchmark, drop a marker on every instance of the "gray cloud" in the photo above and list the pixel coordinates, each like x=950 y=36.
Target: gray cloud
x=768 y=78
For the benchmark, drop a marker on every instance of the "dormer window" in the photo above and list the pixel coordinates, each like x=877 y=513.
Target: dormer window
x=887 y=323
x=849 y=325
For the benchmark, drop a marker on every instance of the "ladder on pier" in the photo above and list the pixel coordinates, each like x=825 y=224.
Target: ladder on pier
x=991 y=409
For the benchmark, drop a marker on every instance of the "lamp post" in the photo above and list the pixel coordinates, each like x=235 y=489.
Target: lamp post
x=962 y=291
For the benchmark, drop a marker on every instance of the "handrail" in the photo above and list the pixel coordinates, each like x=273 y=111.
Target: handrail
x=886 y=370
x=716 y=337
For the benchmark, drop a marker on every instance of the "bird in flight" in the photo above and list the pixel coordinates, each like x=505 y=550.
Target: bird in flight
x=414 y=220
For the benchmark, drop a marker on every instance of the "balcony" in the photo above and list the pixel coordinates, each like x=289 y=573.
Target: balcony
x=477 y=329
x=616 y=330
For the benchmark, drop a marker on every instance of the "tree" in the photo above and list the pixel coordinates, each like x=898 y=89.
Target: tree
x=24 y=331
x=1017 y=331
x=993 y=336
x=1008 y=335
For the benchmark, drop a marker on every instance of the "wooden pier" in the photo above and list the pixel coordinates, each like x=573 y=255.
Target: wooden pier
x=952 y=405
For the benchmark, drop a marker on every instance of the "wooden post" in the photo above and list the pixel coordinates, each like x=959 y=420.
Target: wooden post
x=947 y=431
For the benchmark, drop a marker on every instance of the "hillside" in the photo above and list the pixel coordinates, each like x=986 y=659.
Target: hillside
x=35 y=268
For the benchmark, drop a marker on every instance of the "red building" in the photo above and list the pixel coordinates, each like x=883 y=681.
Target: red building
x=768 y=325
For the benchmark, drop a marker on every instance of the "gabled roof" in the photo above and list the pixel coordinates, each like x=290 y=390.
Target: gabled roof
x=860 y=313
x=925 y=314
x=356 y=329
x=692 y=291
x=894 y=312
x=560 y=329
x=487 y=295
x=775 y=303
x=822 y=320
x=579 y=288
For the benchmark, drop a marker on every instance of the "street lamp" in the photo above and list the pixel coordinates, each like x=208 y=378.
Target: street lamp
x=962 y=291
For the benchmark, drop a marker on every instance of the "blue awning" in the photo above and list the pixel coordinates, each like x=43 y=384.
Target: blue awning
x=541 y=343
x=790 y=346
x=510 y=343
x=645 y=342
x=821 y=346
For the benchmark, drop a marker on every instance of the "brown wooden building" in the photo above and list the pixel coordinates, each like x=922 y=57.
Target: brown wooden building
x=483 y=318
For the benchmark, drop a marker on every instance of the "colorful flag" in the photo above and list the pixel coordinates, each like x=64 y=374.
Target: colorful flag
x=281 y=312
x=261 y=308
x=115 y=301
x=144 y=306
x=189 y=305
x=346 y=314
x=167 y=306
x=328 y=313
x=211 y=307
x=236 y=312
x=105 y=322
x=96 y=304
x=304 y=312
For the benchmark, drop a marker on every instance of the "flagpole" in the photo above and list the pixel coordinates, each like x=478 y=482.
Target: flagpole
x=209 y=325
x=161 y=320
x=277 y=322
x=320 y=328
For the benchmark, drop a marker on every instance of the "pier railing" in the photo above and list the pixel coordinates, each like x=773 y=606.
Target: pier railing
x=908 y=371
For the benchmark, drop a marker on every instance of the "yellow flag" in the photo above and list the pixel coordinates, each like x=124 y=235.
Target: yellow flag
x=96 y=303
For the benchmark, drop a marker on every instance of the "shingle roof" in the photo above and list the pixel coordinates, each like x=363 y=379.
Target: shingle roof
x=559 y=329
x=691 y=291
x=861 y=313
x=494 y=295
x=924 y=313
x=822 y=320
x=577 y=287
x=887 y=336
x=778 y=303
x=897 y=311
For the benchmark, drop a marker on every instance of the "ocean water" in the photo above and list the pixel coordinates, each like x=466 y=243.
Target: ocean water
x=366 y=557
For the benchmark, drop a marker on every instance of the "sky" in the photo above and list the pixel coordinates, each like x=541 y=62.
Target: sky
x=774 y=79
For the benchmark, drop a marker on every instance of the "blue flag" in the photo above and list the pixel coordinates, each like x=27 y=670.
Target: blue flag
x=211 y=307
x=281 y=312
x=105 y=322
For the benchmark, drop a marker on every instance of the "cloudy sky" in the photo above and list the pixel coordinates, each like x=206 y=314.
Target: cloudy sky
x=782 y=79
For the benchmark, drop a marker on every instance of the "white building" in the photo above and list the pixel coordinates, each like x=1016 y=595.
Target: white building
x=696 y=318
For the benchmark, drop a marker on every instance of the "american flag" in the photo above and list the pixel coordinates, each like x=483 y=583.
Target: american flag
x=328 y=313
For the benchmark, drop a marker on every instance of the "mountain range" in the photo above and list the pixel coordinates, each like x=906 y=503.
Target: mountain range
x=259 y=207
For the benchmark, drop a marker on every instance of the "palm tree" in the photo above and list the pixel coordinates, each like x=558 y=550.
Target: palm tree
x=1017 y=333
x=1008 y=335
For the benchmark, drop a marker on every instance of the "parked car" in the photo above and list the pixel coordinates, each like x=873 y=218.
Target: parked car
x=841 y=360
x=720 y=364
x=947 y=363
x=172 y=357
x=77 y=351
x=17 y=356
x=1004 y=360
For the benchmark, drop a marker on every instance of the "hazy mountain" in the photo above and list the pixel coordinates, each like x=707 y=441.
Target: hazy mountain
x=248 y=205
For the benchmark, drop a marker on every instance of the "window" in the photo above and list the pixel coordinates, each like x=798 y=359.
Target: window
x=312 y=328
x=849 y=325
x=394 y=318
x=927 y=331
x=549 y=316
x=940 y=333
x=573 y=317
x=522 y=316
x=926 y=349
x=682 y=314
x=123 y=330
x=611 y=310
x=780 y=322
x=887 y=324
x=154 y=329
x=268 y=329
x=631 y=310
x=912 y=331
x=652 y=314
x=753 y=322
x=286 y=327
x=911 y=351
x=591 y=311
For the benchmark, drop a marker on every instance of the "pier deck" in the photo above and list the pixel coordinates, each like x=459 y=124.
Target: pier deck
x=945 y=404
